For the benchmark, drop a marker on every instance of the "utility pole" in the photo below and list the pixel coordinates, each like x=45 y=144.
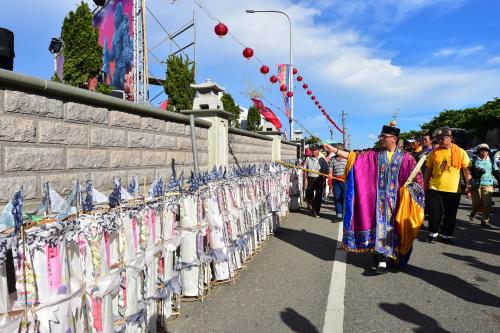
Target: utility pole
x=343 y=128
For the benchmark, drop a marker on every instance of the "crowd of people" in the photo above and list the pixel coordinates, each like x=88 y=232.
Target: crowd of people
x=383 y=195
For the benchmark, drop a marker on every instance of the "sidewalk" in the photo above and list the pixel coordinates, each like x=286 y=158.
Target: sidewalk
x=284 y=289
x=445 y=288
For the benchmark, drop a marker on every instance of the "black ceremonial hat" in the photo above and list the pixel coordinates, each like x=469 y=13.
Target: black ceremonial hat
x=391 y=129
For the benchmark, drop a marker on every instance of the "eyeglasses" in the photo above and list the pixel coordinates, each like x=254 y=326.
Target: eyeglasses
x=443 y=137
x=385 y=136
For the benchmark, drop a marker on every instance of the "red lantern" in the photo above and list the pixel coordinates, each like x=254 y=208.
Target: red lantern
x=248 y=53
x=299 y=78
x=220 y=30
x=295 y=71
x=316 y=102
x=313 y=97
x=283 y=88
x=305 y=86
x=273 y=79
x=319 y=106
x=264 y=69
x=289 y=94
x=309 y=92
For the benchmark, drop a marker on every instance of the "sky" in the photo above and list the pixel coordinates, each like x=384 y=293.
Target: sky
x=369 y=58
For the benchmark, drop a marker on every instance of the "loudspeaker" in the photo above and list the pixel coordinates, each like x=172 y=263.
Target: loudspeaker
x=118 y=94
x=6 y=49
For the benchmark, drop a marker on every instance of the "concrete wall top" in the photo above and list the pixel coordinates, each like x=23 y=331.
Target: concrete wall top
x=238 y=131
x=290 y=143
x=26 y=83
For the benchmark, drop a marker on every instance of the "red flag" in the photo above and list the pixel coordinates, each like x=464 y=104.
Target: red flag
x=164 y=104
x=267 y=113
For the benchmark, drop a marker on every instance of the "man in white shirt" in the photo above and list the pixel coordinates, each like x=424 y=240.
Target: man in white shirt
x=315 y=182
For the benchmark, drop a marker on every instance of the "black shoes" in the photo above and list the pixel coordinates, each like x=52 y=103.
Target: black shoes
x=381 y=270
x=431 y=239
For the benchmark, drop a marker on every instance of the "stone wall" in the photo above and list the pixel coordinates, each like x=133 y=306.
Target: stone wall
x=50 y=138
x=248 y=148
x=288 y=151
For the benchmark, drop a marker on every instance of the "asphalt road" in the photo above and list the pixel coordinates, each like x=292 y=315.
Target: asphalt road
x=445 y=288
x=284 y=289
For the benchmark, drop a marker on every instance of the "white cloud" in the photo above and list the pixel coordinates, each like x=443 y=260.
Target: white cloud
x=458 y=52
x=494 y=61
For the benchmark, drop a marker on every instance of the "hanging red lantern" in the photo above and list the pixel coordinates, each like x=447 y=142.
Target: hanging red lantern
x=248 y=53
x=319 y=106
x=313 y=97
x=283 y=88
x=309 y=92
x=299 y=78
x=273 y=79
x=264 y=69
x=295 y=71
x=221 y=29
x=316 y=102
x=305 y=86
x=289 y=94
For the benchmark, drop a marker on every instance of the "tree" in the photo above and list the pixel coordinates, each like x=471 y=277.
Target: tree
x=179 y=76
x=310 y=140
x=82 y=52
x=253 y=119
x=231 y=107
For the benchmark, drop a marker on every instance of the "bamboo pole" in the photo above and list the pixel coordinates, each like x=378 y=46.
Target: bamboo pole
x=311 y=171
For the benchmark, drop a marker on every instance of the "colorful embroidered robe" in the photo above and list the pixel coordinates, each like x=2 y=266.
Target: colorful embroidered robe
x=373 y=194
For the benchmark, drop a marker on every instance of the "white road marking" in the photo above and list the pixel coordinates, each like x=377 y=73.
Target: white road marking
x=334 y=315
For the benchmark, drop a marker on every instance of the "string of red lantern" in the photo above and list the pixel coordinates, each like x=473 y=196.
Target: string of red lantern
x=221 y=30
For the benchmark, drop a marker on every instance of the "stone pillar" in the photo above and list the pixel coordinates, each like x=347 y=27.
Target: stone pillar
x=218 y=139
x=276 y=135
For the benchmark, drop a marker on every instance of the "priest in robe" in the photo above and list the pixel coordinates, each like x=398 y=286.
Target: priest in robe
x=384 y=201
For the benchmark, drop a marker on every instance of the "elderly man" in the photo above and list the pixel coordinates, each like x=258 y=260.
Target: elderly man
x=315 y=182
x=337 y=167
x=442 y=178
x=373 y=218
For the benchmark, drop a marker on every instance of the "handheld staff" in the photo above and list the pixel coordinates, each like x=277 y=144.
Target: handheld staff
x=312 y=171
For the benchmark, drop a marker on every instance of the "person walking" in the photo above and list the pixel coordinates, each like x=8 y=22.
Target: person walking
x=442 y=179
x=383 y=207
x=315 y=182
x=483 y=169
x=337 y=167
x=427 y=142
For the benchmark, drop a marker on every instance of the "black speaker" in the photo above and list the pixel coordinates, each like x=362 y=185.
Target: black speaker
x=100 y=2
x=6 y=49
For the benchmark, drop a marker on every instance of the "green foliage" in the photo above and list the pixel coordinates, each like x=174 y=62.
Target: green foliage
x=231 y=107
x=475 y=120
x=310 y=140
x=179 y=76
x=104 y=88
x=55 y=78
x=253 y=119
x=410 y=134
x=82 y=52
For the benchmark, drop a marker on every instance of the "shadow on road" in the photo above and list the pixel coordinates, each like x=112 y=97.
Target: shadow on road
x=472 y=261
x=406 y=313
x=454 y=285
x=297 y=322
x=317 y=245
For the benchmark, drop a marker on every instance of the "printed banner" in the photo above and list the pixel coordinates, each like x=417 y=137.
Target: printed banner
x=116 y=33
x=284 y=71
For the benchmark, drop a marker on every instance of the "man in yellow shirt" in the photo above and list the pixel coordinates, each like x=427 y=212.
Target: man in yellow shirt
x=442 y=179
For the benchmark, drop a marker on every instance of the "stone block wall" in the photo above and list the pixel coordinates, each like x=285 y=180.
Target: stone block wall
x=50 y=138
x=249 y=149
x=288 y=151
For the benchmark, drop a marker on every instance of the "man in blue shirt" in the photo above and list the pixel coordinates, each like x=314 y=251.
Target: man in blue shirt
x=483 y=170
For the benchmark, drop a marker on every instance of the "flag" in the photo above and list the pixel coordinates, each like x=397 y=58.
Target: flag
x=164 y=104
x=267 y=113
x=284 y=71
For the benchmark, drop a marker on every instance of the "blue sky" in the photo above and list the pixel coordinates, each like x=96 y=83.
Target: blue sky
x=367 y=57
